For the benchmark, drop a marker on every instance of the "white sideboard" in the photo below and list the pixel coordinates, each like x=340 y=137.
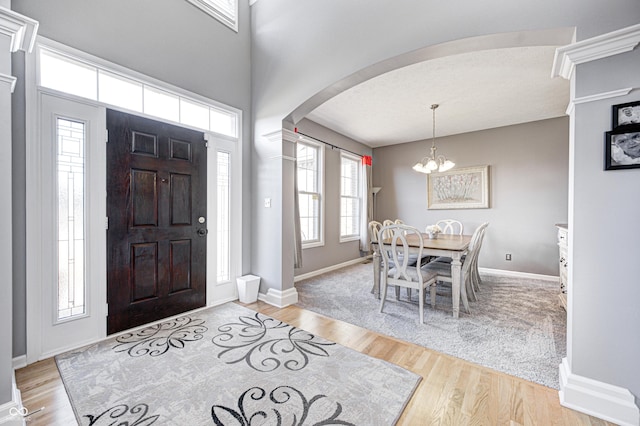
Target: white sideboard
x=563 y=232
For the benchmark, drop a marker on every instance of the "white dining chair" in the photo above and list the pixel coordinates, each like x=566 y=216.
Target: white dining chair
x=387 y=222
x=374 y=228
x=398 y=270
x=443 y=270
x=475 y=274
x=451 y=226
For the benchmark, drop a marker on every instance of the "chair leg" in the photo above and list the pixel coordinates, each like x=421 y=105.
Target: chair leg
x=383 y=293
x=421 y=303
x=463 y=294
x=475 y=275
x=471 y=293
x=433 y=295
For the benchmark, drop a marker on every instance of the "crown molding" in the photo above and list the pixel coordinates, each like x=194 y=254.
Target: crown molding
x=21 y=30
x=8 y=80
x=597 y=97
x=591 y=49
x=282 y=135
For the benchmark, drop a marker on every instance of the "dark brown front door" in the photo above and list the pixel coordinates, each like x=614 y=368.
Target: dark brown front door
x=156 y=197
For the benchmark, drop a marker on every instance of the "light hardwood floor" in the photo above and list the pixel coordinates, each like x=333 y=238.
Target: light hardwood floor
x=452 y=391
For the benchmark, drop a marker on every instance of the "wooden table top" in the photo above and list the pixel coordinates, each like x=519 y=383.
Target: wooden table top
x=443 y=242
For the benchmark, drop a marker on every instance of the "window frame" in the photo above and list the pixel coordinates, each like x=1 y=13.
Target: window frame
x=210 y=7
x=320 y=192
x=358 y=160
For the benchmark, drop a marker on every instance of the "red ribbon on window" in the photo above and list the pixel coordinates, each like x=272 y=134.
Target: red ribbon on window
x=366 y=160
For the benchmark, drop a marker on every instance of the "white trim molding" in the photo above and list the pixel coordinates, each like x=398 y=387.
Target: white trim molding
x=282 y=135
x=20 y=30
x=602 y=400
x=279 y=298
x=9 y=80
x=13 y=412
x=516 y=274
x=19 y=362
x=591 y=49
x=330 y=268
x=597 y=97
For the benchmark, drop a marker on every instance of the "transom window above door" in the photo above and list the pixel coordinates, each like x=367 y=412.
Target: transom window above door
x=79 y=77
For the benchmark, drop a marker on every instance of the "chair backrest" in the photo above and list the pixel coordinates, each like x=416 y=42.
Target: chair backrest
x=387 y=222
x=474 y=246
x=395 y=252
x=374 y=228
x=451 y=226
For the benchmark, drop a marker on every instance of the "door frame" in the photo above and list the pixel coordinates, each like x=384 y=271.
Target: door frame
x=217 y=293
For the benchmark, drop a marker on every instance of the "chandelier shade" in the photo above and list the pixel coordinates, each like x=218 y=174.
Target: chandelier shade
x=433 y=162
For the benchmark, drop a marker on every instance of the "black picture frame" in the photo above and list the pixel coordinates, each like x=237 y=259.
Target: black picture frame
x=622 y=148
x=624 y=115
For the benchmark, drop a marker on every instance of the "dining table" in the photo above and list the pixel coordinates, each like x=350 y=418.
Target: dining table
x=453 y=246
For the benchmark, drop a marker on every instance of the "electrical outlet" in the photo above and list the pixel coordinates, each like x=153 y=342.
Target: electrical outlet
x=507 y=256
x=267 y=202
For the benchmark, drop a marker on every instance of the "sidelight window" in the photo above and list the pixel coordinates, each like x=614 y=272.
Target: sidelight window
x=70 y=164
x=223 y=240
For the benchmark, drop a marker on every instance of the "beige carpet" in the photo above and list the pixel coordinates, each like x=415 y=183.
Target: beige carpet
x=517 y=326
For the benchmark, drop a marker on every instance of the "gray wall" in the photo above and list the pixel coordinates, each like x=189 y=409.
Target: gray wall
x=172 y=41
x=529 y=169
x=333 y=252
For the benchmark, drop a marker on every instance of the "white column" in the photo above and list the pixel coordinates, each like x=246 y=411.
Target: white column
x=600 y=371
x=17 y=32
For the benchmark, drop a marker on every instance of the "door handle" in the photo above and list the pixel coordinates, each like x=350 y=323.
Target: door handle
x=202 y=232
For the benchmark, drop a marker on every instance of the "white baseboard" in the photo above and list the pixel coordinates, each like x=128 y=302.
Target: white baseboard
x=12 y=413
x=19 y=362
x=598 y=399
x=516 y=274
x=279 y=298
x=222 y=301
x=329 y=269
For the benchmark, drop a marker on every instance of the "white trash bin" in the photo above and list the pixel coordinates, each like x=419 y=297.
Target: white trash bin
x=248 y=286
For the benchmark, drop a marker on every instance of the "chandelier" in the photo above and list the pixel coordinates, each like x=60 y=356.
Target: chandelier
x=434 y=162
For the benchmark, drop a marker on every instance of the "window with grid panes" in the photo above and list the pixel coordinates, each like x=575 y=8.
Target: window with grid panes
x=350 y=200
x=309 y=165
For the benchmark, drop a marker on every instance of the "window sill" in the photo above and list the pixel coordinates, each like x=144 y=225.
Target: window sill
x=349 y=239
x=312 y=245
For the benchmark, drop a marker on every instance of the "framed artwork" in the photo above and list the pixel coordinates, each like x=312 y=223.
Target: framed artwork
x=626 y=114
x=464 y=188
x=622 y=148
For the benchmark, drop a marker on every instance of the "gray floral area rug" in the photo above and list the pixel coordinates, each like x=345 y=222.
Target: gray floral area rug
x=229 y=365
x=517 y=326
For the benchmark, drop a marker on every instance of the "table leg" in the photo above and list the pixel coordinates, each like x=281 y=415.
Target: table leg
x=455 y=284
x=376 y=274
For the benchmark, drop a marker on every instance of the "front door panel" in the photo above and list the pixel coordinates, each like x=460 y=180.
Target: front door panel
x=156 y=185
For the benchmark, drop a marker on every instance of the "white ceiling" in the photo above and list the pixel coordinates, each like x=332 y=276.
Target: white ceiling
x=475 y=91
